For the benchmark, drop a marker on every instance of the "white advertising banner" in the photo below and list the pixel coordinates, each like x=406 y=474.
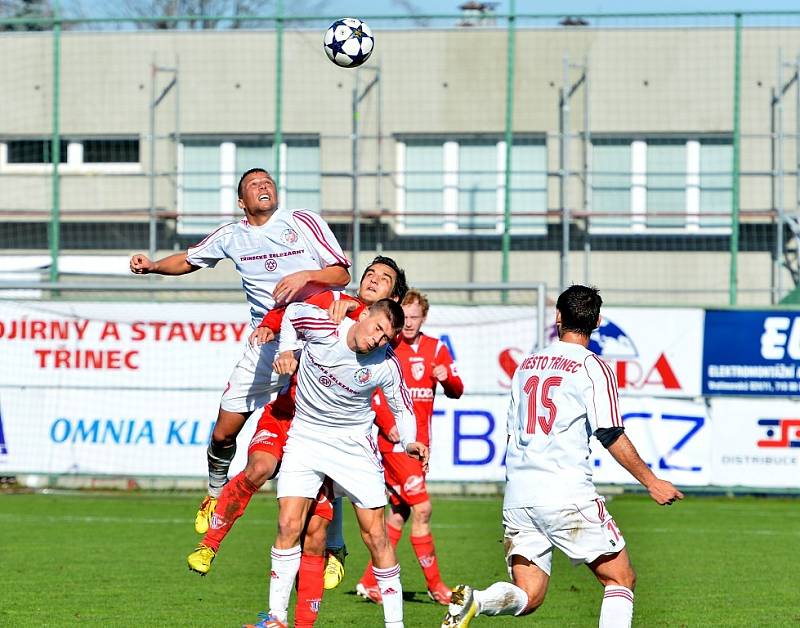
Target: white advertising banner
x=653 y=351
x=133 y=388
x=756 y=442
x=672 y=436
x=120 y=432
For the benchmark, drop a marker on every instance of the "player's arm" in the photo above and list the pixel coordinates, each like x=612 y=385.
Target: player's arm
x=334 y=276
x=384 y=418
x=176 y=264
x=662 y=491
x=399 y=401
x=446 y=374
x=602 y=410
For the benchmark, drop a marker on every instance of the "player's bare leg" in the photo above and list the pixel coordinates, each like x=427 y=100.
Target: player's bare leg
x=385 y=566
x=524 y=596
x=616 y=574
x=220 y=453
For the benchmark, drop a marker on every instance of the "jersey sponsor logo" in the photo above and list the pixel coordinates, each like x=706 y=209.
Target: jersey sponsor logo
x=255 y=258
x=414 y=485
x=289 y=236
x=325 y=381
x=362 y=376
x=270 y=264
x=421 y=393
x=779 y=433
x=417 y=370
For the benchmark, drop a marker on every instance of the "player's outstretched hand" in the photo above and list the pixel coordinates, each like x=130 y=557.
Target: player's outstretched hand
x=341 y=308
x=288 y=287
x=420 y=452
x=261 y=336
x=285 y=363
x=663 y=492
x=141 y=264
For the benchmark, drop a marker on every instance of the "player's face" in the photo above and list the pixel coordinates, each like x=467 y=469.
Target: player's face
x=377 y=284
x=372 y=332
x=414 y=320
x=258 y=194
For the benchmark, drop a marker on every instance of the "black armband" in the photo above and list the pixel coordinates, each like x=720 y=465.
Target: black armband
x=608 y=435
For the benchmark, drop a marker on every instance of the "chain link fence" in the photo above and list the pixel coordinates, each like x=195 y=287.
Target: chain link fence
x=655 y=156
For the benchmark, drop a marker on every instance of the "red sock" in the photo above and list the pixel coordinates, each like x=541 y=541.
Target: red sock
x=231 y=505
x=426 y=555
x=309 y=590
x=395 y=535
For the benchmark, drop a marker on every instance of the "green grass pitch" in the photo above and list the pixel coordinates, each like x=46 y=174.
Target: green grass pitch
x=119 y=560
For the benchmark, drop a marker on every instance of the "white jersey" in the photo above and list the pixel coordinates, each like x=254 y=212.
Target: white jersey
x=559 y=397
x=334 y=383
x=290 y=241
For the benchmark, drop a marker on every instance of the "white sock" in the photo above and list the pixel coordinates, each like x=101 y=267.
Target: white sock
x=617 y=608
x=285 y=565
x=502 y=598
x=392 y=593
x=219 y=461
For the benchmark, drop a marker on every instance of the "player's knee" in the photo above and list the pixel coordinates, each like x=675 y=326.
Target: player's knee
x=259 y=469
x=289 y=527
x=422 y=512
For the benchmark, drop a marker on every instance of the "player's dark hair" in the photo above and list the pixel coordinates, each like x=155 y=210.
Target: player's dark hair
x=580 y=309
x=392 y=310
x=400 y=284
x=249 y=172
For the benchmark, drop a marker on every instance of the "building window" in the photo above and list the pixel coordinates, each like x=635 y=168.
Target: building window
x=457 y=185
x=210 y=169
x=76 y=155
x=661 y=184
x=34 y=151
x=111 y=151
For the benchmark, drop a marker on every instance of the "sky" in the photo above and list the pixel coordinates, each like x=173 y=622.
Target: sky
x=564 y=7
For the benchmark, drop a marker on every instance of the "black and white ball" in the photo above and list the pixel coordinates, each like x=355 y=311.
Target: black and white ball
x=348 y=42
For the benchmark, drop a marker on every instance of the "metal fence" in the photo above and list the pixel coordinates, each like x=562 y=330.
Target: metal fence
x=655 y=155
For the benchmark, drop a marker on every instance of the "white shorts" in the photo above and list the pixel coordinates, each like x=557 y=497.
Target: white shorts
x=583 y=531
x=349 y=459
x=253 y=381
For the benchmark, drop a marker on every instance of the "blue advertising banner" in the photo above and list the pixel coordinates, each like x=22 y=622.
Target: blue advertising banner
x=751 y=353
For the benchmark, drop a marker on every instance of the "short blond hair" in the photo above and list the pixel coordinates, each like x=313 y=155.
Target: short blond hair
x=415 y=296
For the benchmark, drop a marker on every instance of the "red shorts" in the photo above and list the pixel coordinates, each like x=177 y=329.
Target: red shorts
x=404 y=478
x=270 y=437
x=273 y=426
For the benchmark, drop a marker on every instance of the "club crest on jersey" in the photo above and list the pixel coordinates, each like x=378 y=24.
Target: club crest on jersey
x=417 y=370
x=362 y=376
x=270 y=264
x=289 y=236
x=325 y=381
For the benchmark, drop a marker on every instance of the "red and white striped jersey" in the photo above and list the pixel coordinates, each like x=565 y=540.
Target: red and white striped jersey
x=334 y=383
x=559 y=397
x=290 y=241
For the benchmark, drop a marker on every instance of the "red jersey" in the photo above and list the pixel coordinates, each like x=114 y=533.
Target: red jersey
x=323 y=300
x=418 y=361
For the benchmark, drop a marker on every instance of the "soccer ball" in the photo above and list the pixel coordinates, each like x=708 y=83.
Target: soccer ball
x=348 y=42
